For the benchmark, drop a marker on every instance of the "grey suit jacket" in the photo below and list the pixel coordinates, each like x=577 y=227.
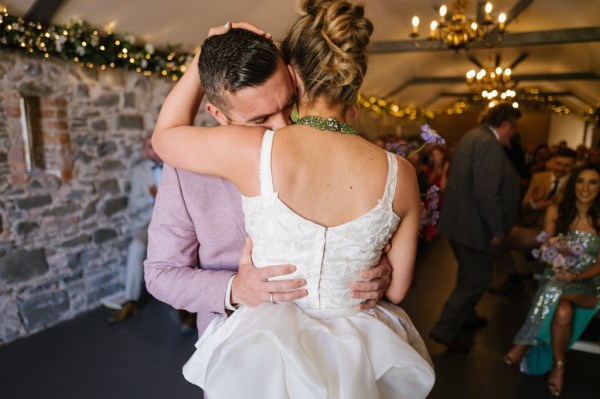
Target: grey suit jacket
x=482 y=197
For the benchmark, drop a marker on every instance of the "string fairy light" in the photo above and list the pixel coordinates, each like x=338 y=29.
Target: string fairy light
x=76 y=42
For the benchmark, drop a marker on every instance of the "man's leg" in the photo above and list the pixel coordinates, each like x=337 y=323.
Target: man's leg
x=473 y=278
x=134 y=276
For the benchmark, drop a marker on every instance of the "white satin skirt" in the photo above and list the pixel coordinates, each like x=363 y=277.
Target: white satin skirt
x=281 y=351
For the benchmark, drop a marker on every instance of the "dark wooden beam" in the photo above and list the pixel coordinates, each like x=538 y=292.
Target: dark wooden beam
x=43 y=10
x=520 y=39
x=424 y=80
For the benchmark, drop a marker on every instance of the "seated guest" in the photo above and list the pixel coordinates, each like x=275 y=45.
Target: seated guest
x=545 y=188
x=567 y=298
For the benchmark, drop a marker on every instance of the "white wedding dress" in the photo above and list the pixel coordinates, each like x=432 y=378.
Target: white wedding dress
x=319 y=346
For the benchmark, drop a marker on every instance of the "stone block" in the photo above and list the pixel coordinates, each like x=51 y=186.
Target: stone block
x=129 y=100
x=89 y=211
x=106 y=148
x=114 y=205
x=33 y=202
x=34 y=89
x=21 y=265
x=74 y=242
x=109 y=186
x=134 y=122
x=107 y=100
x=103 y=235
x=61 y=210
x=11 y=323
x=25 y=228
x=112 y=165
x=99 y=125
x=44 y=310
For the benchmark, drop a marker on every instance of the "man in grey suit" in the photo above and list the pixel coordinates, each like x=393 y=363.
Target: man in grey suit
x=480 y=206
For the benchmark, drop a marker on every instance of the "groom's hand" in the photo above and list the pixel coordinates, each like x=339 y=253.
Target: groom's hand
x=251 y=287
x=374 y=286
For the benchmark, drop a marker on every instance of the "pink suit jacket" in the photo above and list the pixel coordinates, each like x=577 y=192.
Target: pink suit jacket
x=194 y=242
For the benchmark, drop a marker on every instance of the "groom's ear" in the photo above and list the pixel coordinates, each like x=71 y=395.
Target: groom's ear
x=217 y=114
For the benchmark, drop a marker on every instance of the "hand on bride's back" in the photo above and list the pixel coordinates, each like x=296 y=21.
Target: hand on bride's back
x=251 y=286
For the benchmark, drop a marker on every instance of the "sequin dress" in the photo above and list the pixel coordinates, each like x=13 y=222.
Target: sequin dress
x=320 y=346
x=536 y=332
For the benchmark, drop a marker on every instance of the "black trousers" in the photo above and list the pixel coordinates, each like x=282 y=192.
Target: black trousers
x=475 y=271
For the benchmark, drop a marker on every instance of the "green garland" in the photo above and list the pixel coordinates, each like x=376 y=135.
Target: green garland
x=78 y=43
x=382 y=106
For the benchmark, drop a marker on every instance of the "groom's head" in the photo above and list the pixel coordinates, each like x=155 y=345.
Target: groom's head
x=245 y=80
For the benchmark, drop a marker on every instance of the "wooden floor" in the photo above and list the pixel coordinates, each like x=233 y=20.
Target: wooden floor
x=142 y=358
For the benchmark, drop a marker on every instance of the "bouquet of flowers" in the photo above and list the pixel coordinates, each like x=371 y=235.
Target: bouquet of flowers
x=558 y=252
x=430 y=203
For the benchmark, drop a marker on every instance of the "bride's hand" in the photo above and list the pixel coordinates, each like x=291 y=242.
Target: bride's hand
x=219 y=30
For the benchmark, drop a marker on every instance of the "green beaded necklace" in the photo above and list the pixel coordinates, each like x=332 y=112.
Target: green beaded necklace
x=330 y=124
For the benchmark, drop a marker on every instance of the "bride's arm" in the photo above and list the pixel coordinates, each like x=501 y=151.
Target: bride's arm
x=407 y=205
x=227 y=151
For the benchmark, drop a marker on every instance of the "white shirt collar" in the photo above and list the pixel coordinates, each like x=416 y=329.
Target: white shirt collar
x=495 y=133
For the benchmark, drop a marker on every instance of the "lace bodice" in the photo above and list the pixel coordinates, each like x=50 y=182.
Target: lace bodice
x=329 y=258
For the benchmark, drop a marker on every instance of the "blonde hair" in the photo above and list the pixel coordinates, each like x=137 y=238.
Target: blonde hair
x=328 y=48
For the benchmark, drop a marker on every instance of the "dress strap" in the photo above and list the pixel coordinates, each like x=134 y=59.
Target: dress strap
x=266 y=177
x=392 y=179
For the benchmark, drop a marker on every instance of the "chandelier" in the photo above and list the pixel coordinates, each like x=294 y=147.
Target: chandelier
x=456 y=30
x=493 y=85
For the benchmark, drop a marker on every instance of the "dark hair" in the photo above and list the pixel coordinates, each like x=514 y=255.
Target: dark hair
x=567 y=209
x=501 y=113
x=328 y=47
x=233 y=61
x=565 y=152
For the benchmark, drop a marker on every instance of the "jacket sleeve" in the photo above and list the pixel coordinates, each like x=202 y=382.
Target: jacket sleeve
x=488 y=169
x=172 y=270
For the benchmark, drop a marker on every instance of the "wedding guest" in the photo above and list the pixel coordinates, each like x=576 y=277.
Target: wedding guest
x=544 y=189
x=568 y=297
x=582 y=152
x=144 y=180
x=437 y=173
x=480 y=207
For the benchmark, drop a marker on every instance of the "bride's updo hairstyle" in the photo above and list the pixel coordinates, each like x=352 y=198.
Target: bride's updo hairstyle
x=328 y=48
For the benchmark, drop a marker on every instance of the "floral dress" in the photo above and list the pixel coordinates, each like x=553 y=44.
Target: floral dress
x=536 y=332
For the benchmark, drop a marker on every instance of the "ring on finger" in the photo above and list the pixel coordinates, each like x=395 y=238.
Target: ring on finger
x=272 y=298
x=227 y=25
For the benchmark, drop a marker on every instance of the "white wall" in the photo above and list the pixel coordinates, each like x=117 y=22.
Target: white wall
x=570 y=128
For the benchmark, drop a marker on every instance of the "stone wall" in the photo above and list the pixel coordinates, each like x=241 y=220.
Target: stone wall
x=64 y=226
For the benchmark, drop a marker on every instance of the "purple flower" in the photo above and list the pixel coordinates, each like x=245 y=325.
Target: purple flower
x=542 y=237
x=430 y=135
x=570 y=261
x=536 y=253
x=398 y=149
x=578 y=249
x=549 y=254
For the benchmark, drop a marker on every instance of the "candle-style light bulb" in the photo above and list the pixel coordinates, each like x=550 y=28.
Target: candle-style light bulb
x=502 y=21
x=415 y=27
x=432 y=29
x=443 y=11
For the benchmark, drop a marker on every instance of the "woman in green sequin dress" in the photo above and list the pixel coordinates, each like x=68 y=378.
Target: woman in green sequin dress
x=566 y=301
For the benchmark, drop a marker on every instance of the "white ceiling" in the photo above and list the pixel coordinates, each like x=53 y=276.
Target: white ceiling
x=186 y=22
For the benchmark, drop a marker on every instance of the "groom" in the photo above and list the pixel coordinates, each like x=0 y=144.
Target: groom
x=197 y=230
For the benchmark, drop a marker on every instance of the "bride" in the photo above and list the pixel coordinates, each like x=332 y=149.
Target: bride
x=318 y=196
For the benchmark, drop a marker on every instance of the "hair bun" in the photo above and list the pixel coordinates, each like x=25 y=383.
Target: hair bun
x=329 y=46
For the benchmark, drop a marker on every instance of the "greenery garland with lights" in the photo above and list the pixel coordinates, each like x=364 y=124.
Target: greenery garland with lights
x=381 y=106
x=78 y=43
